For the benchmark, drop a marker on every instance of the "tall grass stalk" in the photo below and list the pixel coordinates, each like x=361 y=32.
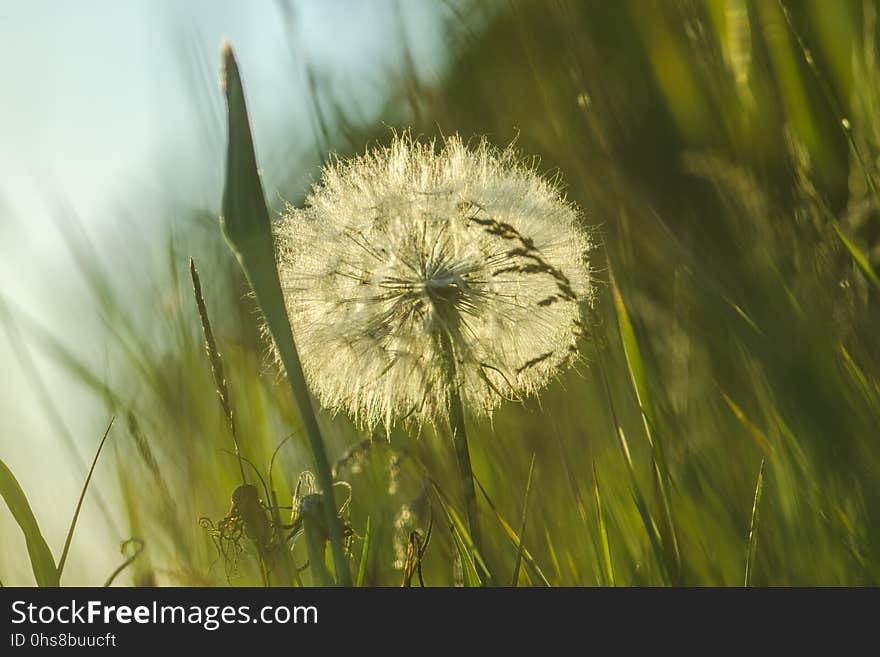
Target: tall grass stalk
x=216 y=365
x=63 y=560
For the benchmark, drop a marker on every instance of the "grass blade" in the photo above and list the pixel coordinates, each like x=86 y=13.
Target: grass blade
x=636 y=369
x=638 y=497
x=248 y=230
x=468 y=569
x=515 y=538
x=642 y=506
x=868 y=386
x=522 y=524
x=461 y=535
x=582 y=510
x=42 y=561
x=755 y=432
x=633 y=355
x=365 y=552
x=605 y=560
x=79 y=503
x=551 y=549
x=859 y=257
x=753 y=526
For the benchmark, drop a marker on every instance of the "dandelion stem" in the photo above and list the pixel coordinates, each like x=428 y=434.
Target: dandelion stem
x=459 y=441
x=465 y=472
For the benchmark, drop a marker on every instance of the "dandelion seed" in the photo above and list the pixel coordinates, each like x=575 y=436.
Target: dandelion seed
x=414 y=270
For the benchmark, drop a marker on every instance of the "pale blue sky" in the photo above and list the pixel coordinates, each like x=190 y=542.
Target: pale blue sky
x=107 y=103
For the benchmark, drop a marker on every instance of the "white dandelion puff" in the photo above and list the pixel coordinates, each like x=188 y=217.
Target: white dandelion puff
x=414 y=271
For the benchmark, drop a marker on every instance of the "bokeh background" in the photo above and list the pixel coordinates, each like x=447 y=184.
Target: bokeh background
x=725 y=152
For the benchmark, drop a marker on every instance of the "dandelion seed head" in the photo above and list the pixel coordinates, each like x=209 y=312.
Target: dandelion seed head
x=419 y=268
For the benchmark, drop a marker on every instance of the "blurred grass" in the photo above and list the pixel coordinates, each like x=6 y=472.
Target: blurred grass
x=727 y=153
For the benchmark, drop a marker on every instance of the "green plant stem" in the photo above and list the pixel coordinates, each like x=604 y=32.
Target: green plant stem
x=460 y=443
x=261 y=279
x=465 y=472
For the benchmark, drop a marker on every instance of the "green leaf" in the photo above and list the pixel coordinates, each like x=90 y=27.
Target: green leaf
x=248 y=230
x=42 y=562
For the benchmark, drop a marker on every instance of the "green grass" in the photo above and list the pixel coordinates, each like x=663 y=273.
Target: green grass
x=726 y=154
x=42 y=561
